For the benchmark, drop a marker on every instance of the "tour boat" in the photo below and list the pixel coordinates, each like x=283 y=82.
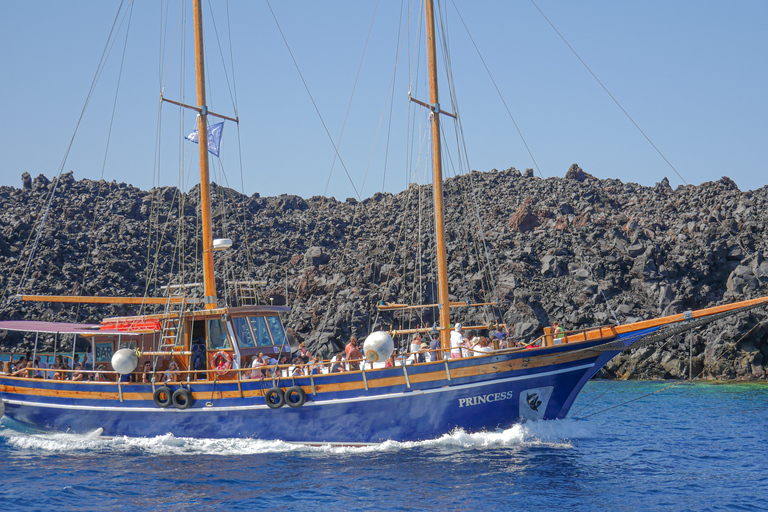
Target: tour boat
x=207 y=342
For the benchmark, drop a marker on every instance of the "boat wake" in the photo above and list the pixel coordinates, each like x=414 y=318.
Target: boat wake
x=553 y=434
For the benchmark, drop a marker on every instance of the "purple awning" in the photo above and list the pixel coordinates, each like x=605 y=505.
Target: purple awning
x=57 y=327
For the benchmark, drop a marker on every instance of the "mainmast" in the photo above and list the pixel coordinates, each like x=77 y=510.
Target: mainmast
x=205 y=192
x=437 y=179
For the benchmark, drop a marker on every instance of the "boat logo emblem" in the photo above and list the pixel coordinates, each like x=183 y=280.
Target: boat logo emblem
x=533 y=401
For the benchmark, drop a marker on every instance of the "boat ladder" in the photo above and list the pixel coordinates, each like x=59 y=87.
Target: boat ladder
x=172 y=322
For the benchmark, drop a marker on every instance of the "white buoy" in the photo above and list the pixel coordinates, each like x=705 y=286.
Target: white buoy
x=124 y=361
x=378 y=346
x=2 y=408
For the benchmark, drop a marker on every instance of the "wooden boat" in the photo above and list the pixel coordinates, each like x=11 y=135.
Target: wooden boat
x=210 y=396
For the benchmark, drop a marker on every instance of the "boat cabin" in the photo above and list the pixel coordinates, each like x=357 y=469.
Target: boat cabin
x=205 y=340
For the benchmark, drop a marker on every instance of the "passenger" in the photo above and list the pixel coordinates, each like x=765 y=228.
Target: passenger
x=304 y=354
x=88 y=358
x=557 y=333
x=284 y=365
x=457 y=339
x=100 y=376
x=43 y=366
x=173 y=372
x=354 y=356
x=501 y=339
x=296 y=369
x=472 y=346
x=272 y=363
x=484 y=347
x=316 y=367
x=146 y=372
x=78 y=375
x=256 y=372
x=21 y=364
x=391 y=361
x=434 y=347
x=24 y=370
x=76 y=361
x=350 y=346
x=337 y=363
x=415 y=348
x=58 y=365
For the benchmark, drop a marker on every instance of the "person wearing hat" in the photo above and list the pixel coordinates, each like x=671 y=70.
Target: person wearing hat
x=457 y=340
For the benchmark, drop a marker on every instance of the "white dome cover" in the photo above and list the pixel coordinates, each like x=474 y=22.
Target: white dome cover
x=124 y=361
x=378 y=346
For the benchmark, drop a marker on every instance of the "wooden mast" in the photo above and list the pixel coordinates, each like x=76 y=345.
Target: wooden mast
x=437 y=179
x=202 y=136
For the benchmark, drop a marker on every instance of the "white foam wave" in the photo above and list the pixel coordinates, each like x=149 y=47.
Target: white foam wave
x=554 y=434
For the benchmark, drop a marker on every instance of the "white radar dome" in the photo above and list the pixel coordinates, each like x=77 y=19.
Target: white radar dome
x=378 y=346
x=124 y=361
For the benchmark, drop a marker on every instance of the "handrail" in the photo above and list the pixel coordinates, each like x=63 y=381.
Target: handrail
x=276 y=371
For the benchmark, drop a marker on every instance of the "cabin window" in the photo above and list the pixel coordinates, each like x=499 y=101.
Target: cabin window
x=243 y=332
x=277 y=330
x=260 y=331
x=217 y=335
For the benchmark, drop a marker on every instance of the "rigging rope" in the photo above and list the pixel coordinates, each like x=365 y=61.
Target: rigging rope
x=51 y=195
x=314 y=104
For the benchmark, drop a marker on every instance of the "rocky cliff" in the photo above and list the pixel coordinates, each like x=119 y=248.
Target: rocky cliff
x=577 y=249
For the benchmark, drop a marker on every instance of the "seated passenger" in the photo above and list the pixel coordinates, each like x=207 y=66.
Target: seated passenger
x=483 y=347
x=21 y=364
x=146 y=372
x=304 y=354
x=172 y=374
x=297 y=368
x=24 y=370
x=100 y=376
x=317 y=366
x=78 y=375
x=337 y=363
x=257 y=363
x=59 y=374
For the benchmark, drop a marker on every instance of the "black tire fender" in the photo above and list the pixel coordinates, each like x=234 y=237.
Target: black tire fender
x=275 y=398
x=182 y=398
x=163 y=396
x=295 y=396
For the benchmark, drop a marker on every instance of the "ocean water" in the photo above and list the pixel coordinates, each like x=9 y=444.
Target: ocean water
x=699 y=447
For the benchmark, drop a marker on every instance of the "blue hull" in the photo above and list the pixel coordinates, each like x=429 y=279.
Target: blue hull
x=409 y=411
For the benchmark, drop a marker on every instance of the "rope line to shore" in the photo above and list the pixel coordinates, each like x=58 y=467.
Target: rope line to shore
x=727 y=349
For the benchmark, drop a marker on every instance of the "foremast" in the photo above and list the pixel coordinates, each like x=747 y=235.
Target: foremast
x=205 y=191
x=437 y=179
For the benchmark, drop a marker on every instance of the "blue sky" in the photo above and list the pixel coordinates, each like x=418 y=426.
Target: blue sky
x=692 y=74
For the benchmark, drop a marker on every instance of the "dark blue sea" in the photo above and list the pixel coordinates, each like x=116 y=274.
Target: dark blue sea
x=701 y=447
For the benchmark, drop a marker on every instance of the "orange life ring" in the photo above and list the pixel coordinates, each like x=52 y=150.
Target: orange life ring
x=222 y=362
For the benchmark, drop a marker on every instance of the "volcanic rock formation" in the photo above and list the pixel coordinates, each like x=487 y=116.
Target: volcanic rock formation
x=580 y=250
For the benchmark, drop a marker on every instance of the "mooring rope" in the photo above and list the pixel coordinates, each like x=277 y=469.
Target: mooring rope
x=707 y=366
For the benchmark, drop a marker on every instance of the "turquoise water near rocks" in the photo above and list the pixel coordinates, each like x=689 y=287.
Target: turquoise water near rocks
x=700 y=446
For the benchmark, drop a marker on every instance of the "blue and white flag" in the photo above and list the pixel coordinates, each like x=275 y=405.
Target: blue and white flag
x=214 y=137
